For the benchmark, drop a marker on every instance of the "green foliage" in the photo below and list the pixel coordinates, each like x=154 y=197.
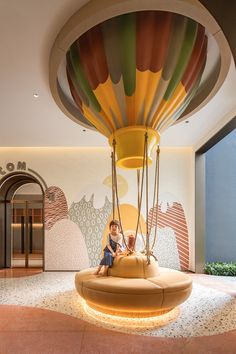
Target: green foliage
x=221 y=268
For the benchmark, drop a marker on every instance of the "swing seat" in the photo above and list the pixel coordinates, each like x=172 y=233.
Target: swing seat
x=134 y=288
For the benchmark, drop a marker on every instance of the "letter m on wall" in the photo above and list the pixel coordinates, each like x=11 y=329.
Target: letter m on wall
x=21 y=165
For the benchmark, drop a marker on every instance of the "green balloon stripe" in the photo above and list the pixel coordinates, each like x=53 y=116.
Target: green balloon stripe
x=128 y=52
x=75 y=82
x=187 y=47
x=80 y=76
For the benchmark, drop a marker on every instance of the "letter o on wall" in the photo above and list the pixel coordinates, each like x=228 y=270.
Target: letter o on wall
x=10 y=167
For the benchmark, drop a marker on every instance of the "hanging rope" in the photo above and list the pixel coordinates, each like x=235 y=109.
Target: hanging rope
x=112 y=185
x=154 y=196
x=147 y=224
x=138 y=188
x=116 y=193
x=156 y=192
x=141 y=191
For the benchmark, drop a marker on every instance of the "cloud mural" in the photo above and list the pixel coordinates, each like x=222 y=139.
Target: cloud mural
x=85 y=226
x=66 y=249
x=92 y=222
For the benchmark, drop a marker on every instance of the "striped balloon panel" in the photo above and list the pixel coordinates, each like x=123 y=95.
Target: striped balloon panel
x=140 y=68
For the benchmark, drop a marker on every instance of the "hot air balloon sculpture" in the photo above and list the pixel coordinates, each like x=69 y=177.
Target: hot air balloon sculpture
x=131 y=77
x=136 y=73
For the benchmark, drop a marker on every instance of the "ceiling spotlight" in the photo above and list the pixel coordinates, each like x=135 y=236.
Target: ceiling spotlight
x=187 y=121
x=84 y=130
x=36 y=95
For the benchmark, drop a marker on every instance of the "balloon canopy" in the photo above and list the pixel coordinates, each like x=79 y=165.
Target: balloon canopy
x=136 y=73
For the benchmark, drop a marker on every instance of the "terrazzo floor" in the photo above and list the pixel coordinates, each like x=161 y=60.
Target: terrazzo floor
x=210 y=310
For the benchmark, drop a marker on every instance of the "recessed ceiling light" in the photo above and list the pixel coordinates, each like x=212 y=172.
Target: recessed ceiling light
x=36 y=95
x=84 y=130
x=187 y=121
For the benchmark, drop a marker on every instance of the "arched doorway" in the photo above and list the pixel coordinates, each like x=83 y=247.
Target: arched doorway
x=21 y=217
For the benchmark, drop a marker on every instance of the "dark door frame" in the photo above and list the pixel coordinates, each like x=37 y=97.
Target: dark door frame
x=8 y=185
x=200 y=193
x=28 y=246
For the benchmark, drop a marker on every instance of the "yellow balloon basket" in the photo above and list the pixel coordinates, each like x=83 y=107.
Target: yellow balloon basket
x=130 y=145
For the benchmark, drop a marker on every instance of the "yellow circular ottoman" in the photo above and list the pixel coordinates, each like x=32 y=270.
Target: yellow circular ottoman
x=134 y=288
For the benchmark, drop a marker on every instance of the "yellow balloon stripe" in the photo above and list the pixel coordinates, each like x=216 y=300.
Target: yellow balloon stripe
x=160 y=91
x=166 y=107
x=100 y=126
x=107 y=100
x=140 y=93
x=153 y=82
x=119 y=92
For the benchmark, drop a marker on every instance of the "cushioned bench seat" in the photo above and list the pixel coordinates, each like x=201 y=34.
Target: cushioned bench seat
x=130 y=295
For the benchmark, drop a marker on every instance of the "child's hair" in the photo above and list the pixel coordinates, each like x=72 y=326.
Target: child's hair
x=114 y=222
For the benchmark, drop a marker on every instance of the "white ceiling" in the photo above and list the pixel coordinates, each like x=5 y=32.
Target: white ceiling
x=28 y=29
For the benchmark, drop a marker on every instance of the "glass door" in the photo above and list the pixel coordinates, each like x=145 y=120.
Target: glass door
x=35 y=233
x=18 y=233
x=27 y=234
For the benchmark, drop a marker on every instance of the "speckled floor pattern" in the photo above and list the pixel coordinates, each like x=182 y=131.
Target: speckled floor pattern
x=208 y=311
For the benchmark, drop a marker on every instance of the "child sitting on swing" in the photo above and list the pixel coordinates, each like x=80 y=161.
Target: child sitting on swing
x=113 y=248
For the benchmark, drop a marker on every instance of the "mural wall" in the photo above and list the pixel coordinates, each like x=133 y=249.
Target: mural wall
x=78 y=204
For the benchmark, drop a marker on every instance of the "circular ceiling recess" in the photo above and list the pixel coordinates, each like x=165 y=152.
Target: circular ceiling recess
x=125 y=63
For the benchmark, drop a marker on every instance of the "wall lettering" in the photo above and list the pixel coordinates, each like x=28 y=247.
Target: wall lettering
x=21 y=165
x=2 y=172
x=10 y=167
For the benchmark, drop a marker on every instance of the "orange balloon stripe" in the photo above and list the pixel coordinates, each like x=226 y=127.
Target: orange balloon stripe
x=130 y=109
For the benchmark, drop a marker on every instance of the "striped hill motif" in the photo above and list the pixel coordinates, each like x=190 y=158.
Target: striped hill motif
x=174 y=218
x=55 y=206
x=140 y=68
